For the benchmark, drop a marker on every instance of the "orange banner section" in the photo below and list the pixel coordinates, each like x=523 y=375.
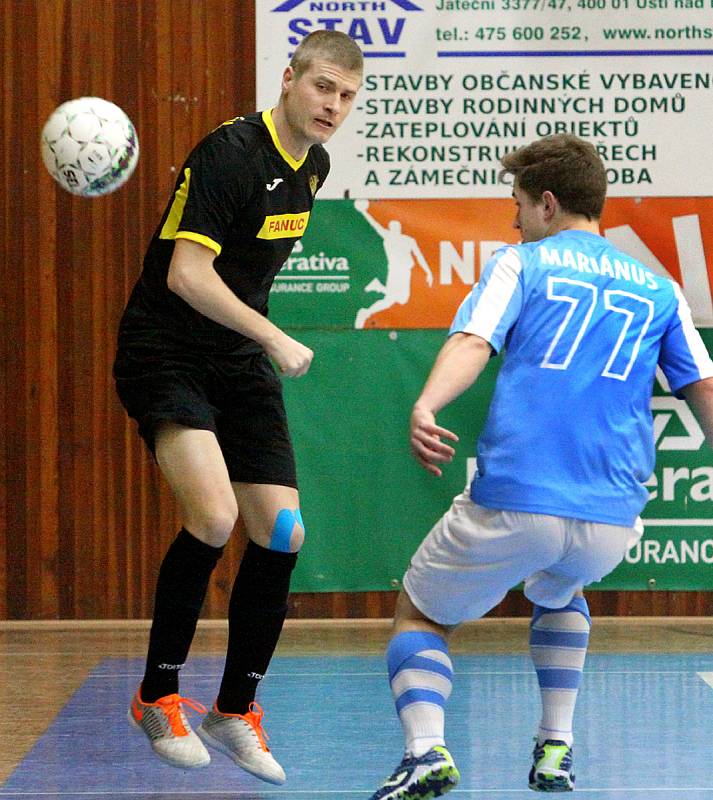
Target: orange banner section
x=452 y=240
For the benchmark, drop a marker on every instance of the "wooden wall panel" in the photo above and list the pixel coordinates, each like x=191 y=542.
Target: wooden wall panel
x=84 y=518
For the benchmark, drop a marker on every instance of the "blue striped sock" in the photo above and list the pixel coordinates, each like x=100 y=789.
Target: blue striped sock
x=420 y=674
x=558 y=646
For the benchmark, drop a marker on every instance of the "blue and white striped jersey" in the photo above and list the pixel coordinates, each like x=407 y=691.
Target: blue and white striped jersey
x=569 y=430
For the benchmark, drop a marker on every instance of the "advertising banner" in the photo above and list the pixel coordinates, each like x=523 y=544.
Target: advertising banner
x=409 y=263
x=414 y=207
x=367 y=504
x=375 y=312
x=451 y=85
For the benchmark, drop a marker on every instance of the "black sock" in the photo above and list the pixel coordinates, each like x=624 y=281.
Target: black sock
x=258 y=606
x=180 y=591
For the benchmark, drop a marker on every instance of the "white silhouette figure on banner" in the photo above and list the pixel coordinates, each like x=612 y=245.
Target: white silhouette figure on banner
x=401 y=250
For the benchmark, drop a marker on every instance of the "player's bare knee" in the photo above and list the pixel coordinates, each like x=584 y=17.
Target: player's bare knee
x=213 y=528
x=288 y=531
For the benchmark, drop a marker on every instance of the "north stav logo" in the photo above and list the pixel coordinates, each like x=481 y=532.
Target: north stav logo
x=376 y=25
x=347 y=5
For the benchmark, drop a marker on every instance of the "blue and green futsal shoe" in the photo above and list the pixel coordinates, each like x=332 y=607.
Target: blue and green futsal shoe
x=552 y=767
x=430 y=775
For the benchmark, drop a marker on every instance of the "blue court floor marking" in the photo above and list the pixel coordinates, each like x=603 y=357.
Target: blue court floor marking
x=642 y=729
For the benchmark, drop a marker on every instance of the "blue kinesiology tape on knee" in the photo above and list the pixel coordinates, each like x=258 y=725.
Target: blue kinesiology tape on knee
x=283 y=528
x=575 y=604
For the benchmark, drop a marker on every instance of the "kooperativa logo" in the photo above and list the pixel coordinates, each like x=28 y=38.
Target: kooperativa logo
x=376 y=25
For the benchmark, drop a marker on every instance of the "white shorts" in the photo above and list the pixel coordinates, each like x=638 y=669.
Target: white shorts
x=474 y=555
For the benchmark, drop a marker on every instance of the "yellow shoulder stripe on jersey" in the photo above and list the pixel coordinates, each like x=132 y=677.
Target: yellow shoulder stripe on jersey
x=284 y=226
x=170 y=229
x=173 y=220
x=228 y=122
x=201 y=239
x=267 y=119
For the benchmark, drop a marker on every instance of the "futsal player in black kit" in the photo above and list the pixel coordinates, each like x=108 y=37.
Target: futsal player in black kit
x=194 y=368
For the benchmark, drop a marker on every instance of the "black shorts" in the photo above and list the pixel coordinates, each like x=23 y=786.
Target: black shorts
x=238 y=397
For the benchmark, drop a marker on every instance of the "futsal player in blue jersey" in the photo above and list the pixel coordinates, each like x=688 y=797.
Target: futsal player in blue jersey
x=561 y=462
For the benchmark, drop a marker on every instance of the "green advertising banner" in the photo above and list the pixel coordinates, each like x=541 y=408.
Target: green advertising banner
x=366 y=503
x=676 y=551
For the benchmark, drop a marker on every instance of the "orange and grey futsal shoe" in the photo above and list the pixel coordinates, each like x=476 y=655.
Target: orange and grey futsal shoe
x=242 y=738
x=168 y=730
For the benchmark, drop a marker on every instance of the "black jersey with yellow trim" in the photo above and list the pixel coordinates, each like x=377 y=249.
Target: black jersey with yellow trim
x=241 y=194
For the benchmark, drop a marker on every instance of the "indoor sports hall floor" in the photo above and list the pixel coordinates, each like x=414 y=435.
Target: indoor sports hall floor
x=644 y=726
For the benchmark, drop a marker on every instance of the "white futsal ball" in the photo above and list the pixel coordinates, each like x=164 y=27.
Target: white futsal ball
x=89 y=146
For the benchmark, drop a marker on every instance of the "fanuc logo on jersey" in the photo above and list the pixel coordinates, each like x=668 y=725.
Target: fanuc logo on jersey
x=284 y=226
x=371 y=23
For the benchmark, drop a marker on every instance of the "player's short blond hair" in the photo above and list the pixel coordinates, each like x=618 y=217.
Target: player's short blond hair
x=565 y=165
x=333 y=46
